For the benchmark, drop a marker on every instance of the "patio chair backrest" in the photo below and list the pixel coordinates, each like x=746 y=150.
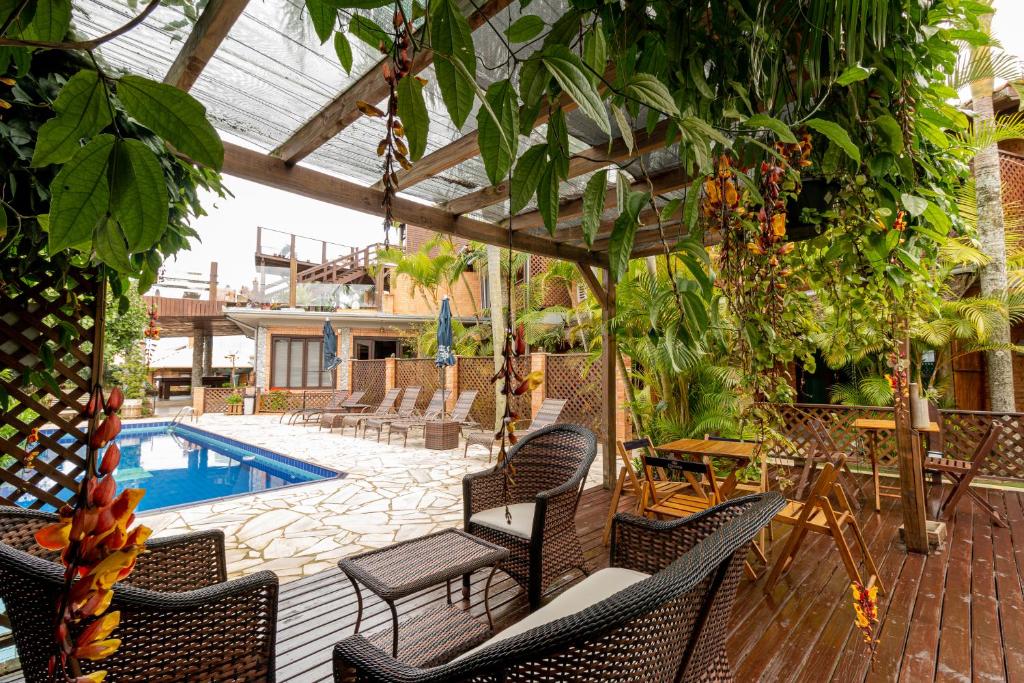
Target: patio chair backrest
x=408 y=405
x=822 y=438
x=337 y=399
x=353 y=399
x=464 y=404
x=388 y=402
x=550 y=411
x=550 y=457
x=685 y=469
x=436 y=404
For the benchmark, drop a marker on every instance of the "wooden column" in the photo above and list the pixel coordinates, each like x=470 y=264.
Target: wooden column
x=213 y=281
x=538 y=363
x=390 y=367
x=908 y=450
x=451 y=385
x=609 y=352
x=198 y=356
x=293 y=275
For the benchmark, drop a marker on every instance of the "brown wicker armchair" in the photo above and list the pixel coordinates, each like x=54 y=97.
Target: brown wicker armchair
x=180 y=618
x=551 y=466
x=660 y=613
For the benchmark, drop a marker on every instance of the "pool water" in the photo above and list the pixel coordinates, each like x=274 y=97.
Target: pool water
x=179 y=464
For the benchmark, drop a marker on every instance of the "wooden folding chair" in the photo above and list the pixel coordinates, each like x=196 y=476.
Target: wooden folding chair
x=816 y=514
x=823 y=449
x=962 y=472
x=627 y=472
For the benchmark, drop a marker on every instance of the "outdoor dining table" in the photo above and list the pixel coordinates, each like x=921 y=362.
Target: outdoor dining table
x=741 y=453
x=871 y=427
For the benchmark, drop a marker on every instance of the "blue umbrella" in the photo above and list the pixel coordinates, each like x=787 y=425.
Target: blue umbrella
x=331 y=359
x=444 y=356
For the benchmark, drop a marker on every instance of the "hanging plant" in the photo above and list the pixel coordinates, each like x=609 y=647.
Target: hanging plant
x=97 y=549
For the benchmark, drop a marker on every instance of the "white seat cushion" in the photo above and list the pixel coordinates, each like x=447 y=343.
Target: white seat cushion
x=590 y=591
x=494 y=518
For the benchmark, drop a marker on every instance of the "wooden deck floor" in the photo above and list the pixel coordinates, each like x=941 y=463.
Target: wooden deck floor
x=956 y=615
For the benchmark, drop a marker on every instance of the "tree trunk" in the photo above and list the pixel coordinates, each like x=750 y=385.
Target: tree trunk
x=991 y=233
x=497 y=307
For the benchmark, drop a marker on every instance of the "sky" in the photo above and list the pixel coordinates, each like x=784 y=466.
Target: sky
x=228 y=233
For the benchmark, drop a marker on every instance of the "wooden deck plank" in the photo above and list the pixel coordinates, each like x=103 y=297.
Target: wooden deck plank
x=954 y=654
x=1009 y=584
x=987 y=662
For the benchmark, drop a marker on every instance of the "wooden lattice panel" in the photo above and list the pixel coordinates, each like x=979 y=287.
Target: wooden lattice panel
x=282 y=401
x=215 y=399
x=369 y=376
x=577 y=377
x=475 y=373
x=963 y=429
x=838 y=420
x=50 y=346
x=418 y=372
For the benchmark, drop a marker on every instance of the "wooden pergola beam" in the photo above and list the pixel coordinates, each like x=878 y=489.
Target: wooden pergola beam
x=209 y=32
x=274 y=172
x=581 y=163
x=593 y=284
x=341 y=112
x=533 y=222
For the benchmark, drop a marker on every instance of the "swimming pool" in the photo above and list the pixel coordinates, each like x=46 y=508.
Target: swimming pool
x=180 y=465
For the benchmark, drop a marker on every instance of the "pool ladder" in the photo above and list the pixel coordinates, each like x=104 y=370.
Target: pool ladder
x=185 y=411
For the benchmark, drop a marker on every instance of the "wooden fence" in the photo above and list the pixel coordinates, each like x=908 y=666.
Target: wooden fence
x=215 y=399
x=961 y=430
x=418 y=372
x=370 y=376
x=577 y=377
x=476 y=373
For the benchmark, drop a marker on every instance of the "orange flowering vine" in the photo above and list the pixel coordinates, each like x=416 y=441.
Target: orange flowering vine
x=865 y=607
x=98 y=548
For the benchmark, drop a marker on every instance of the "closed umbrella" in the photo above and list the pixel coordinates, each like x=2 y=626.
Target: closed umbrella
x=444 y=356
x=331 y=359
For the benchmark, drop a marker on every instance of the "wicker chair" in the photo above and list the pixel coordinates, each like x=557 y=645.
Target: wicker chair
x=659 y=614
x=180 y=618
x=551 y=466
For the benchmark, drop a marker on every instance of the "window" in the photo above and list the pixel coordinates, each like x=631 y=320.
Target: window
x=297 y=363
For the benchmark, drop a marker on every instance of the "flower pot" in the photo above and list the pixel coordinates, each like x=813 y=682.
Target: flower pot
x=233 y=409
x=132 y=407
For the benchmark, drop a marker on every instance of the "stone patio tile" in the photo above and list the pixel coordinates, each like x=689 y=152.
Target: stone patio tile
x=264 y=522
x=289 y=546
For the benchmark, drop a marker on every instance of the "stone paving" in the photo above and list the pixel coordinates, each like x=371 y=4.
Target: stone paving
x=391 y=493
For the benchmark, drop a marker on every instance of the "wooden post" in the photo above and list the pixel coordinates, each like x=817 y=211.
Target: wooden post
x=198 y=356
x=609 y=353
x=623 y=424
x=323 y=251
x=213 y=281
x=451 y=383
x=538 y=363
x=908 y=449
x=389 y=372
x=293 y=275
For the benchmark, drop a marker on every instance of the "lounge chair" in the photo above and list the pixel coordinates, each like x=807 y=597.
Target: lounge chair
x=459 y=415
x=386 y=407
x=659 y=613
x=308 y=415
x=549 y=412
x=329 y=417
x=406 y=409
x=181 y=620
x=550 y=466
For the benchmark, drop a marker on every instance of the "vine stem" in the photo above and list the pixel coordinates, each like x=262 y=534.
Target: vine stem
x=90 y=44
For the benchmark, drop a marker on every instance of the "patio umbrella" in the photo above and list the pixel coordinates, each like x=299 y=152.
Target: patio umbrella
x=444 y=356
x=331 y=359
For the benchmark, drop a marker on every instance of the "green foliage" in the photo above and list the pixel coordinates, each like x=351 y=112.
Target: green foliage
x=131 y=373
x=412 y=110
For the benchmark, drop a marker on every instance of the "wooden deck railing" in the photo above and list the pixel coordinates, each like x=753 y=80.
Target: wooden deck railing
x=961 y=430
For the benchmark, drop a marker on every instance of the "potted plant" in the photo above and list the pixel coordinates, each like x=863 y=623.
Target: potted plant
x=234 y=404
x=131 y=375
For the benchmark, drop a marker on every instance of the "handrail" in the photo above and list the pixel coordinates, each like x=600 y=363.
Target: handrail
x=187 y=410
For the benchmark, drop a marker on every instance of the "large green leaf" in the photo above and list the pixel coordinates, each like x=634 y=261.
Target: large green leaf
x=890 y=132
x=51 y=21
x=593 y=205
x=412 y=109
x=547 y=198
x=533 y=81
x=780 y=128
x=359 y=4
x=110 y=246
x=138 y=194
x=324 y=17
x=558 y=143
x=837 y=135
x=343 y=48
x=595 y=53
x=529 y=169
x=175 y=116
x=368 y=31
x=914 y=205
x=649 y=90
x=80 y=195
x=569 y=72
x=620 y=244
x=498 y=124
x=854 y=73
x=82 y=111
x=452 y=40
x=524 y=29
x=625 y=130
